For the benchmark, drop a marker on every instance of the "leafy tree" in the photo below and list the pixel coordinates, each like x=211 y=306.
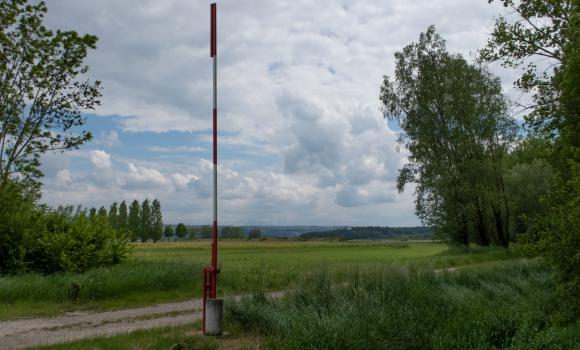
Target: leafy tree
x=168 y=232
x=102 y=212
x=255 y=233
x=16 y=215
x=43 y=91
x=181 y=230
x=156 y=221
x=122 y=217
x=134 y=221
x=146 y=221
x=542 y=31
x=550 y=31
x=526 y=183
x=113 y=217
x=206 y=232
x=92 y=212
x=456 y=128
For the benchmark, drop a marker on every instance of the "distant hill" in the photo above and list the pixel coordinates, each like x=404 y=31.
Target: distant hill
x=288 y=231
x=371 y=232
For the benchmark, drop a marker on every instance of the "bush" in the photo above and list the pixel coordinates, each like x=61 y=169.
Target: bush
x=74 y=244
x=34 y=238
x=16 y=214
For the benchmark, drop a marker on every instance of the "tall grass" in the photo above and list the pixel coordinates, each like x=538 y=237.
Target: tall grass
x=133 y=277
x=510 y=306
x=172 y=271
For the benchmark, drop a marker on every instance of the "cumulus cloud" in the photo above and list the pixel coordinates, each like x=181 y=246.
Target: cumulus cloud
x=298 y=83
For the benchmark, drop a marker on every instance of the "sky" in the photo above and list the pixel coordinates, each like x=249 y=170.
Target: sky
x=302 y=137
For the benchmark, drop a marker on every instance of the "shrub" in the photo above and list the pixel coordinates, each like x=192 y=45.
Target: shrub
x=36 y=238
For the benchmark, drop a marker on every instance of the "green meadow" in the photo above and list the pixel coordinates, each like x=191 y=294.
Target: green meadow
x=164 y=272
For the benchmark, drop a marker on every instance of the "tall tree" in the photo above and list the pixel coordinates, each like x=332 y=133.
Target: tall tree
x=146 y=221
x=156 y=230
x=550 y=31
x=113 y=217
x=134 y=221
x=456 y=127
x=92 y=212
x=181 y=230
x=122 y=217
x=102 y=213
x=44 y=92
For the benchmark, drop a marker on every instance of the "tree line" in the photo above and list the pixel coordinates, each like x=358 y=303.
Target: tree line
x=479 y=176
x=181 y=231
x=142 y=221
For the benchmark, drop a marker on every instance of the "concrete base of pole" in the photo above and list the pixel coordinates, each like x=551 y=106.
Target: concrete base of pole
x=214 y=316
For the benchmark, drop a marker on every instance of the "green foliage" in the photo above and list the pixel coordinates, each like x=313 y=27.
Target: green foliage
x=122 y=217
x=168 y=232
x=102 y=213
x=113 y=216
x=232 y=232
x=134 y=220
x=145 y=221
x=457 y=129
x=369 y=232
x=526 y=184
x=156 y=221
x=38 y=239
x=73 y=243
x=181 y=230
x=550 y=29
x=541 y=32
x=16 y=214
x=255 y=233
x=43 y=91
x=557 y=239
x=507 y=307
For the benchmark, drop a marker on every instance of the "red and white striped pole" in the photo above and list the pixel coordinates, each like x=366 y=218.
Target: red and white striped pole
x=213 y=54
x=212 y=321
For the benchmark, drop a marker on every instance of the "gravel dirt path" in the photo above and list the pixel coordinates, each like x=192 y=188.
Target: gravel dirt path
x=24 y=333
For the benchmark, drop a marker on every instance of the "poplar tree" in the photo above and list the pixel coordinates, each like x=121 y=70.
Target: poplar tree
x=146 y=221
x=122 y=217
x=113 y=218
x=156 y=230
x=134 y=221
x=102 y=212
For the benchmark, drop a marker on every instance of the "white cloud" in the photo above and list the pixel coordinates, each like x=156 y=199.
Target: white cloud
x=298 y=82
x=100 y=159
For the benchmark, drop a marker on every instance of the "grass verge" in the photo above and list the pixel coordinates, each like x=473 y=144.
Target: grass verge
x=510 y=305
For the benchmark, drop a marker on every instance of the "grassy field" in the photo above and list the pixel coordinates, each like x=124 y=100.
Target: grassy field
x=164 y=272
x=498 y=305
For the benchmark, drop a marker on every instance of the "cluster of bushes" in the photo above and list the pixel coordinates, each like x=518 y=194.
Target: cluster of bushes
x=37 y=238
